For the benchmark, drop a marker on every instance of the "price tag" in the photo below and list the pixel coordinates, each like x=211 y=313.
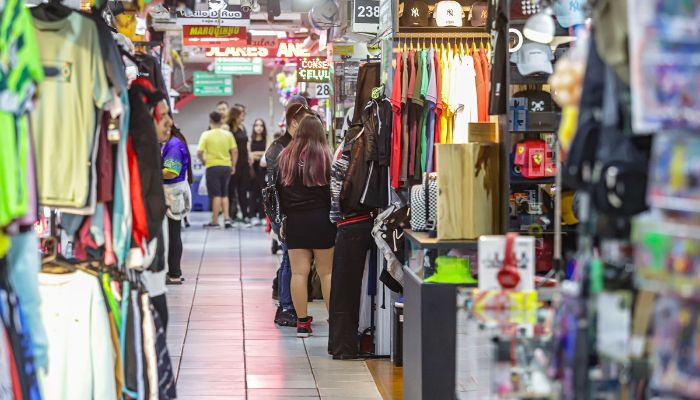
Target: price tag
x=322 y=90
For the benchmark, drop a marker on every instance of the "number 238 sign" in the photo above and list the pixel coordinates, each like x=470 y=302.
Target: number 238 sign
x=366 y=16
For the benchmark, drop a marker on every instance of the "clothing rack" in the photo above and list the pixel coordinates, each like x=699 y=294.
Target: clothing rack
x=441 y=35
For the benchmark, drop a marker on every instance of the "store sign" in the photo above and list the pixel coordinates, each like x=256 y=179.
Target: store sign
x=285 y=50
x=207 y=35
x=220 y=13
x=208 y=84
x=238 y=66
x=366 y=16
x=343 y=50
x=313 y=70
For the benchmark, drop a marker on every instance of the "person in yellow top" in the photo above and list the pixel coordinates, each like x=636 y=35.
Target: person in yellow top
x=218 y=152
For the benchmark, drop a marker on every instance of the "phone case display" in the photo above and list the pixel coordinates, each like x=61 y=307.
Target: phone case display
x=675 y=172
x=676 y=347
x=665 y=68
x=667 y=255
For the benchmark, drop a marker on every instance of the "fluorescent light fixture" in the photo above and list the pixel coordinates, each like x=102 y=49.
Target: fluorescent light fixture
x=540 y=27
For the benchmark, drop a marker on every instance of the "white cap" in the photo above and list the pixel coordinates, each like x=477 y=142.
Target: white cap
x=448 y=13
x=533 y=58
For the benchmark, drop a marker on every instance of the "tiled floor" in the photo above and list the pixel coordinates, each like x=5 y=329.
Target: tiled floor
x=221 y=335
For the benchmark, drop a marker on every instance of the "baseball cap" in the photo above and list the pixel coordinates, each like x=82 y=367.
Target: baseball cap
x=569 y=12
x=296 y=100
x=533 y=58
x=537 y=100
x=415 y=13
x=448 y=13
x=479 y=13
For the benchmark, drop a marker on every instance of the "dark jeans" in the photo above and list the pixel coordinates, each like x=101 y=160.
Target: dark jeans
x=284 y=276
x=174 y=248
x=160 y=303
x=238 y=192
x=257 y=184
x=351 y=245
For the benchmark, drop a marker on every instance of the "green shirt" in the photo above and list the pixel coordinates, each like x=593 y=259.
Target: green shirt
x=419 y=80
x=20 y=72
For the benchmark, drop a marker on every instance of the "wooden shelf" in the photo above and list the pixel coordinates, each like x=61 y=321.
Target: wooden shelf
x=531 y=182
x=424 y=241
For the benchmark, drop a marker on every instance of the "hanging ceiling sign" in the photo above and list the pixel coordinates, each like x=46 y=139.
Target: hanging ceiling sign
x=238 y=66
x=284 y=50
x=207 y=35
x=208 y=84
x=220 y=13
x=314 y=70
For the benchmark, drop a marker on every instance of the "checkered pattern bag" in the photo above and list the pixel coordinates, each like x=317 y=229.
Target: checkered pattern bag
x=424 y=199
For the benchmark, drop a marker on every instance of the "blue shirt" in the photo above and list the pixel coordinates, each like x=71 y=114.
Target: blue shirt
x=175 y=159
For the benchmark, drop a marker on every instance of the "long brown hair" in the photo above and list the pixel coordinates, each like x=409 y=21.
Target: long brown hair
x=307 y=156
x=234 y=114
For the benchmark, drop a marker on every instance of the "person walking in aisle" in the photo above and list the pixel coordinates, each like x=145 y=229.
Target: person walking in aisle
x=177 y=177
x=218 y=152
x=240 y=181
x=305 y=197
x=296 y=110
x=258 y=145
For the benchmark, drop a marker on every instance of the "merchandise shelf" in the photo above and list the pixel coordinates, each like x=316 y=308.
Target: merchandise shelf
x=519 y=181
x=422 y=240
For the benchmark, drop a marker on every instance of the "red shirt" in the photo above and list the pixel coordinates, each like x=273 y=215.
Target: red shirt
x=138 y=209
x=395 y=167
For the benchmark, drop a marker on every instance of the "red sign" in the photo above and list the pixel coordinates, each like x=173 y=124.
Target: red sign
x=281 y=50
x=209 y=35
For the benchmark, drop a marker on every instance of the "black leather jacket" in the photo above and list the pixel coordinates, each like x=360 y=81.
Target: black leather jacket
x=273 y=153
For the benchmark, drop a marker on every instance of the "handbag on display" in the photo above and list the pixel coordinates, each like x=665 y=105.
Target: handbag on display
x=424 y=199
x=533 y=159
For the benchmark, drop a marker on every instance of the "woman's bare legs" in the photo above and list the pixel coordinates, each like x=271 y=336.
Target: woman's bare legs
x=301 y=267
x=324 y=268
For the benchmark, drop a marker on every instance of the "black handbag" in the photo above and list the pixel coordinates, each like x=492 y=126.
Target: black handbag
x=271 y=201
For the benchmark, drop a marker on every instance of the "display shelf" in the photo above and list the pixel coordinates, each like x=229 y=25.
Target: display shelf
x=423 y=241
x=517 y=79
x=519 y=181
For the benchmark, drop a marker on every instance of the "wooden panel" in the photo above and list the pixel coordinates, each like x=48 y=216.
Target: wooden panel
x=483 y=132
x=389 y=379
x=468 y=186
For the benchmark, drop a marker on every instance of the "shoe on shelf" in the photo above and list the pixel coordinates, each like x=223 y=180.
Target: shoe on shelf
x=212 y=225
x=304 y=327
x=172 y=280
x=228 y=224
x=285 y=317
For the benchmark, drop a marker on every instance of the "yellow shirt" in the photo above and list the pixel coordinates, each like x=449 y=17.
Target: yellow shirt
x=216 y=145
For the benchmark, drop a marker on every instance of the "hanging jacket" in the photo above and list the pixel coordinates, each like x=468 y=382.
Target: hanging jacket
x=349 y=176
x=142 y=134
x=377 y=121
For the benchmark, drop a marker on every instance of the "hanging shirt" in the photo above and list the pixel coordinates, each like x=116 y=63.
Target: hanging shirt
x=421 y=143
x=431 y=100
x=404 y=116
x=486 y=70
x=81 y=357
x=412 y=111
x=479 y=77
x=64 y=121
x=446 y=85
x=438 y=104
x=396 y=134
x=466 y=107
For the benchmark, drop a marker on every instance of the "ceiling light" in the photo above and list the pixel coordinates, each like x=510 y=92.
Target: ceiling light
x=540 y=27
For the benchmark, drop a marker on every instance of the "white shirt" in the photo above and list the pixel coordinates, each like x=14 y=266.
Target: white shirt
x=465 y=103
x=81 y=356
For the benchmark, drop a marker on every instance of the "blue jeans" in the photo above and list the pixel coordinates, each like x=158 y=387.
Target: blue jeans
x=284 y=276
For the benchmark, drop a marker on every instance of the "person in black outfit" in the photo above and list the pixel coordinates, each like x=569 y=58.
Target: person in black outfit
x=258 y=145
x=240 y=182
x=304 y=188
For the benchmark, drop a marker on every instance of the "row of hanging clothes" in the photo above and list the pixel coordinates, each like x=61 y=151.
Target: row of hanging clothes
x=80 y=167
x=438 y=88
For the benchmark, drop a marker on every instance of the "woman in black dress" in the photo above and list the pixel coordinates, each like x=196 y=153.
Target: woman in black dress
x=240 y=181
x=258 y=145
x=305 y=195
